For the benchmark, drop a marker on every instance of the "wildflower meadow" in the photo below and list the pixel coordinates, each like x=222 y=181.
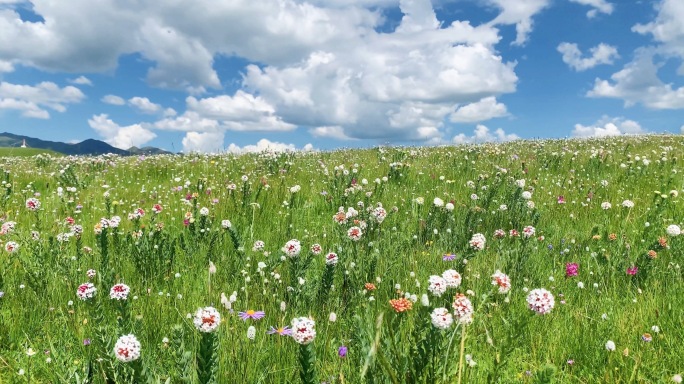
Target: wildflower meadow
x=555 y=261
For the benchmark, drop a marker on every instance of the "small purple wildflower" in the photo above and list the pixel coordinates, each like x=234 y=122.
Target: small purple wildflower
x=251 y=314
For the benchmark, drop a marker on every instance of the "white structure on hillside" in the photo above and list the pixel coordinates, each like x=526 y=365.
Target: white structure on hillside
x=23 y=145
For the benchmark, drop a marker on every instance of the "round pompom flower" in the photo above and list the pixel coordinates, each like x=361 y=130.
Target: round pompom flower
x=541 y=301
x=452 y=278
x=33 y=204
x=441 y=318
x=463 y=309
x=502 y=280
x=86 y=291
x=119 y=292
x=207 y=319
x=437 y=285
x=292 y=248
x=127 y=348
x=303 y=330
x=673 y=230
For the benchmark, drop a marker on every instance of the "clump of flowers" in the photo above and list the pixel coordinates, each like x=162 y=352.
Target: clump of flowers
x=127 y=348
x=529 y=231
x=331 y=258
x=463 y=309
x=86 y=291
x=477 y=242
x=441 y=318
x=571 y=269
x=207 y=319
x=33 y=204
x=401 y=304
x=119 y=292
x=451 y=278
x=541 y=301
x=501 y=280
x=354 y=233
x=437 y=285
x=292 y=248
x=303 y=330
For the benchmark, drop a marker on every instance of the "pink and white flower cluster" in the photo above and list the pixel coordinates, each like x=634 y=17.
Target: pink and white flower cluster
x=86 y=291
x=119 y=292
x=303 y=330
x=463 y=309
x=441 y=318
x=541 y=301
x=127 y=348
x=292 y=248
x=477 y=242
x=207 y=319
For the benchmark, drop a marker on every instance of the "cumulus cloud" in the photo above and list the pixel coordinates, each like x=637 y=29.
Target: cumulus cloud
x=608 y=127
x=113 y=100
x=333 y=132
x=264 y=145
x=597 y=6
x=667 y=28
x=6 y=66
x=518 y=13
x=118 y=136
x=321 y=63
x=32 y=101
x=81 y=80
x=482 y=134
x=600 y=54
x=485 y=109
x=638 y=82
x=144 y=105
x=206 y=142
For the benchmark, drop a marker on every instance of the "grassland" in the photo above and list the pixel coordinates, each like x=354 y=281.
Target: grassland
x=25 y=152
x=591 y=221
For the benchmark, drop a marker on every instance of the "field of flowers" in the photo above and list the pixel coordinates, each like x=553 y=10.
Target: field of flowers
x=531 y=261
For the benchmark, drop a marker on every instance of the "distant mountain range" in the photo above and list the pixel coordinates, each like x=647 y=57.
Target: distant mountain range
x=85 y=147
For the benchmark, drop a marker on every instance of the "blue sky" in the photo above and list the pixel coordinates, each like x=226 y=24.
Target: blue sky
x=239 y=75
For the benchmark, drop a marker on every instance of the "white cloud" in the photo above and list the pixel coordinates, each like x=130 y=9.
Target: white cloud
x=333 y=132
x=638 y=82
x=481 y=134
x=206 y=142
x=519 y=13
x=600 y=54
x=667 y=28
x=485 y=109
x=188 y=122
x=264 y=145
x=118 y=136
x=32 y=101
x=113 y=100
x=608 y=127
x=598 y=6
x=144 y=105
x=6 y=66
x=81 y=80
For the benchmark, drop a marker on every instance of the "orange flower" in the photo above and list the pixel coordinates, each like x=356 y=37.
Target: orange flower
x=369 y=286
x=662 y=242
x=612 y=237
x=401 y=305
x=652 y=254
x=596 y=237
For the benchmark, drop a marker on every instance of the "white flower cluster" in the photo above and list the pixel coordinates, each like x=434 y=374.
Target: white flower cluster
x=127 y=348
x=303 y=330
x=541 y=301
x=207 y=319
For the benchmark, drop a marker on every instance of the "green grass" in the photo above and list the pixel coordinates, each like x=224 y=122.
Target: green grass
x=25 y=152
x=165 y=259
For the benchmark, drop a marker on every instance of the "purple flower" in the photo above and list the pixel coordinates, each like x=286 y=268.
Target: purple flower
x=282 y=331
x=448 y=257
x=342 y=351
x=86 y=341
x=251 y=314
x=632 y=270
x=571 y=269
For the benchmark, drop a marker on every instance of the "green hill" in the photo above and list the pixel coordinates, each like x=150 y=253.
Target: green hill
x=25 y=152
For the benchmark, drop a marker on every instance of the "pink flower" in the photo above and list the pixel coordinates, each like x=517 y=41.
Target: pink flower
x=571 y=269
x=632 y=270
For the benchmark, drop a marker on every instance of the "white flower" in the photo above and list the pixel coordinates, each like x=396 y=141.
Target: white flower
x=207 y=319
x=437 y=285
x=502 y=281
x=292 y=248
x=119 y=292
x=127 y=348
x=463 y=309
x=332 y=317
x=628 y=204
x=438 y=202
x=477 y=242
x=226 y=224
x=610 y=345
x=449 y=207
x=86 y=291
x=451 y=278
x=520 y=183
x=540 y=300
x=673 y=230
x=204 y=211
x=606 y=205
x=526 y=195
x=251 y=332
x=677 y=378
x=303 y=330
x=441 y=318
